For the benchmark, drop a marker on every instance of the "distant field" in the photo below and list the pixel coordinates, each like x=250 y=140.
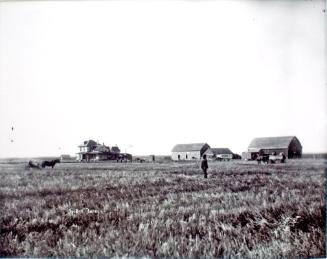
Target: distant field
x=167 y=209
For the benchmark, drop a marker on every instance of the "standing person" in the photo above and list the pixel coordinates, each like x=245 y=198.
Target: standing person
x=204 y=166
x=283 y=157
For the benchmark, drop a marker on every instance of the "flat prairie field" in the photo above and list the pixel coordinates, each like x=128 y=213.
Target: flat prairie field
x=164 y=210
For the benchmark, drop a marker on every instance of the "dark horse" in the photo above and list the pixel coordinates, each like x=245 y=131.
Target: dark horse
x=263 y=158
x=51 y=163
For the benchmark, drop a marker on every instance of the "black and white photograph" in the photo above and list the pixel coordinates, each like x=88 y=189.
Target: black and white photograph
x=163 y=129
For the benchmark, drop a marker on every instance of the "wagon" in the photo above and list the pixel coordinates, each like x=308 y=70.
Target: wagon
x=277 y=158
x=33 y=164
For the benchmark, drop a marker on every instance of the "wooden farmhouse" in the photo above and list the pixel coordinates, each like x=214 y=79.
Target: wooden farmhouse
x=219 y=154
x=93 y=151
x=188 y=151
x=288 y=145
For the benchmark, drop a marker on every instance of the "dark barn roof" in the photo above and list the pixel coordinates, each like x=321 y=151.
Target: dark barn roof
x=271 y=143
x=217 y=151
x=189 y=147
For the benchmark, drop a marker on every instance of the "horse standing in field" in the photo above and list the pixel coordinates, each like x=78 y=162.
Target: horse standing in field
x=51 y=163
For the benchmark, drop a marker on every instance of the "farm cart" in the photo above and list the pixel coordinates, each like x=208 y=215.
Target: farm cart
x=281 y=158
x=33 y=164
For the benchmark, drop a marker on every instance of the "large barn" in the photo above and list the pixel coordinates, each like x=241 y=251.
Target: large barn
x=289 y=145
x=188 y=151
x=219 y=153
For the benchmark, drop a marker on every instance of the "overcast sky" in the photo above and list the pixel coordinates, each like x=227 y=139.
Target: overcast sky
x=146 y=75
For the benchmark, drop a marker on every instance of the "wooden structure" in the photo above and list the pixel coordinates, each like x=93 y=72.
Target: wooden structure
x=219 y=154
x=189 y=151
x=93 y=151
x=289 y=145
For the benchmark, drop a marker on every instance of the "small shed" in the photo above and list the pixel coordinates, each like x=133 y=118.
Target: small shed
x=219 y=154
x=289 y=145
x=188 y=151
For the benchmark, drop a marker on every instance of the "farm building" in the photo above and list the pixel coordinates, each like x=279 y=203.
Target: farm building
x=188 y=151
x=115 y=149
x=93 y=151
x=125 y=157
x=219 y=154
x=289 y=145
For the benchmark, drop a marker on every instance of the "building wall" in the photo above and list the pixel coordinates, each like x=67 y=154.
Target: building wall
x=211 y=156
x=277 y=150
x=225 y=156
x=294 y=151
x=101 y=157
x=190 y=155
x=248 y=155
x=218 y=156
x=84 y=149
x=269 y=151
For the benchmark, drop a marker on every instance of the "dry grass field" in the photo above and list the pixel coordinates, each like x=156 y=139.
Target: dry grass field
x=164 y=209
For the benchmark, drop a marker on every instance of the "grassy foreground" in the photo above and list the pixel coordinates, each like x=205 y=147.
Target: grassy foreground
x=168 y=209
